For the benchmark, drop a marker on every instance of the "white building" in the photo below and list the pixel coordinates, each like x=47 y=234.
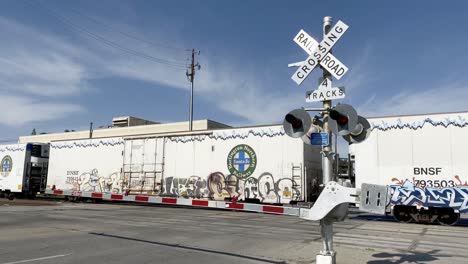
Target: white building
x=126 y=127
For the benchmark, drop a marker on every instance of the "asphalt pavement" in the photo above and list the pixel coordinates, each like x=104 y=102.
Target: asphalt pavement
x=56 y=232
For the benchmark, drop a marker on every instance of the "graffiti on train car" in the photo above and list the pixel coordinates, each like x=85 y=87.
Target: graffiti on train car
x=454 y=194
x=218 y=187
x=193 y=187
x=92 y=181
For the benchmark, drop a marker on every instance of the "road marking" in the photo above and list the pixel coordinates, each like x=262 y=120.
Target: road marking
x=36 y=259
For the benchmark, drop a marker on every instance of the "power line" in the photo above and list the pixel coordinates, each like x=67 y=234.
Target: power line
x=81 y=13
x=109 y=42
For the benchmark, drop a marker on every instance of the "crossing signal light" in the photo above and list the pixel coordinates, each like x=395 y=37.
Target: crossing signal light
x=297 y=123
x=340 y=119
x=344 y=121
x=361 y=133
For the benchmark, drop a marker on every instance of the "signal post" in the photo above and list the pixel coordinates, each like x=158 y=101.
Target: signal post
x=327 y=255
x=332 y=204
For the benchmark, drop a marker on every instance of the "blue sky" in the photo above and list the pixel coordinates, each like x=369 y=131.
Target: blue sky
x=56 y=72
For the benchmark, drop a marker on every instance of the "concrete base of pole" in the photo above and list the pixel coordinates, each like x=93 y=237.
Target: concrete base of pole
x=326 y=259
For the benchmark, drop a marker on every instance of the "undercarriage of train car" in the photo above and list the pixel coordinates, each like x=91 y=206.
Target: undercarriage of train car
x=408 y=214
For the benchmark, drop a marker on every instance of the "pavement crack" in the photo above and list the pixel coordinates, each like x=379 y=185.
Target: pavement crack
x=416 y=241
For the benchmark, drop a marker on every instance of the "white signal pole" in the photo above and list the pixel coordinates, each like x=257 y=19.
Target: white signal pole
x=327 y=255
x=332 y=203
x=327 y=150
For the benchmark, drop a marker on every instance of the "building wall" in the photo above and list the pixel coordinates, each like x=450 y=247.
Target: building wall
x=124 y=131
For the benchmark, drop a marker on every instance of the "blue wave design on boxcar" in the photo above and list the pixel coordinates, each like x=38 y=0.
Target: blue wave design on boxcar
x=231 y=135
x=80 y=144
x=182 y=139
x=411 y=195
x=459 y=121
x=12 y=149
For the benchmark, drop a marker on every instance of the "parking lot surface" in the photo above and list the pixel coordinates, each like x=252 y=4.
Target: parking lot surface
x=56 y=232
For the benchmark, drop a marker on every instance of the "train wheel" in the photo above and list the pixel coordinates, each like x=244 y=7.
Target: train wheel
x=402 y=214
x=11 y=196
x=448 y=218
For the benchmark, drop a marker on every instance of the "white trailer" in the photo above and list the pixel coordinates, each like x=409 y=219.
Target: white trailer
x=23 y=169
x=258 y=164
x=423 y=159
x=92 y=165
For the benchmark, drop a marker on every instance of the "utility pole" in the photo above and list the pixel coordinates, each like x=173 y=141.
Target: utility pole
x=191 y=77
x=91 y=130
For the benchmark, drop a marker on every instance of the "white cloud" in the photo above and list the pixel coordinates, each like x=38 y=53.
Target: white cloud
x=39 y=63
x=50 y=66
x=41 y=74
x=360 y=74
x=35 y=68
x=228 y=85
x=20 y=110
x=443 y=98
x=148 y=72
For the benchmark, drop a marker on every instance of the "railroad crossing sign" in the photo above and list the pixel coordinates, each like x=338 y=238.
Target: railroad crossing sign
x=325 y=83
x=320 y=54
x=305 y=41
x=325 y=92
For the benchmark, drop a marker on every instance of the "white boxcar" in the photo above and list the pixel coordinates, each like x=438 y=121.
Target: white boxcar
x=423 y=159
x=250 y=164
x=23 y=169
x=92 y=165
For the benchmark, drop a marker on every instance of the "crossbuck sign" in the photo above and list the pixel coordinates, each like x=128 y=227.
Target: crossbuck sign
x=325 y=92
x=320 y=53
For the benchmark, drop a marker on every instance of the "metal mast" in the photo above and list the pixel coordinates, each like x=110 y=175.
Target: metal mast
x=191 y=77
x=326 y=226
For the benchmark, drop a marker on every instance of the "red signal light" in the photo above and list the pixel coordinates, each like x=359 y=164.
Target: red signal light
x=296 y=123
x=342 y=120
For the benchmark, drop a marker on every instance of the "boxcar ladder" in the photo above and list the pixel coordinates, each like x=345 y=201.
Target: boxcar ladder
x=296 y=182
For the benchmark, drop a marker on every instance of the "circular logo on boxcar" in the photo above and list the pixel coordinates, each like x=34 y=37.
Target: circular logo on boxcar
x=242 y=161
x=7 y=164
